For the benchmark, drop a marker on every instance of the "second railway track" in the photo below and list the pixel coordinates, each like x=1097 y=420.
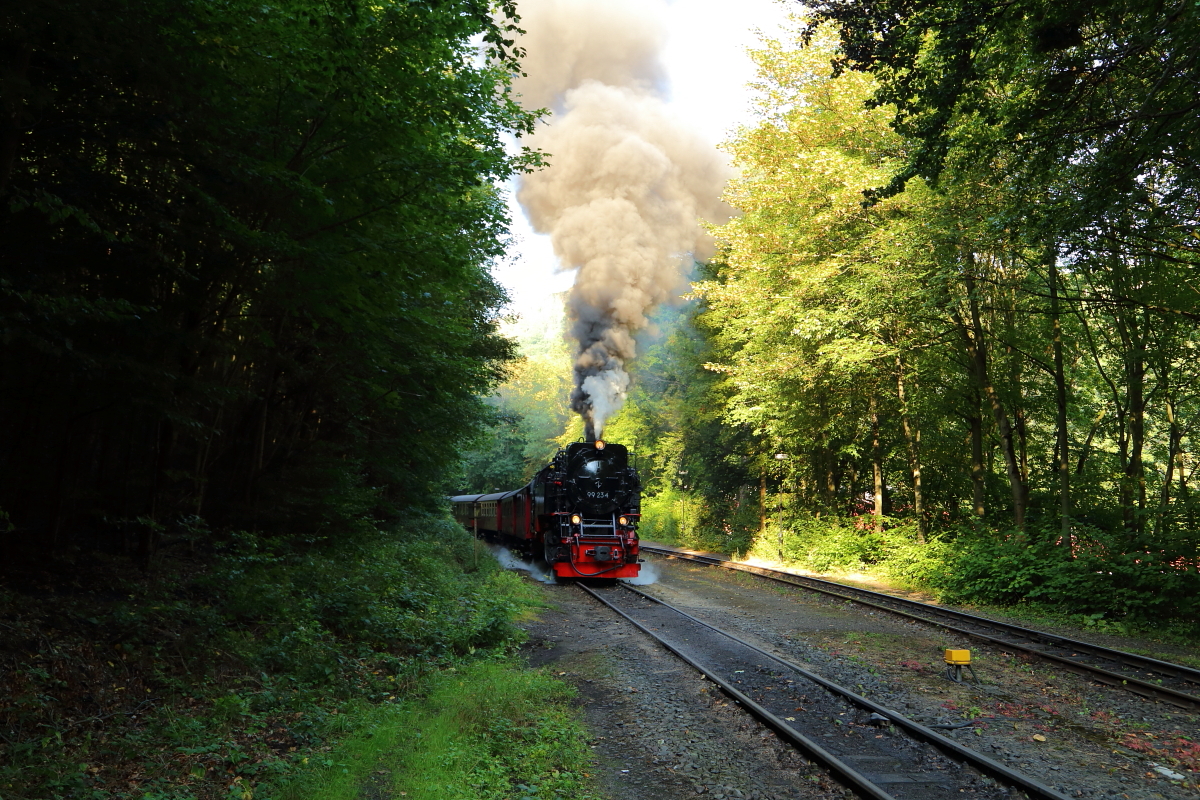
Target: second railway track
x=878 y=752
x=1142 y=675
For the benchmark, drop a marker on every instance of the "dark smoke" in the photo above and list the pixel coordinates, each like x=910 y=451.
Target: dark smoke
x=627 y=182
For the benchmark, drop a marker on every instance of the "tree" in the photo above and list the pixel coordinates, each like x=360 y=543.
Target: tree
x=1104 y=91
x=244 y=260
x=811 y=306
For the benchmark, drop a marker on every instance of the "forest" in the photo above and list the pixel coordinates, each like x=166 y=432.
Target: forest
x=951 y=334
x=244 y=275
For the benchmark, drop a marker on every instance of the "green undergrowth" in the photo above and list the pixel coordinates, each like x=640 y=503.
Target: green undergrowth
x=1111 y=583
x=1177 y=641
x=215 y=676
x=485 y=731
x=830 y=544
x=686 y=519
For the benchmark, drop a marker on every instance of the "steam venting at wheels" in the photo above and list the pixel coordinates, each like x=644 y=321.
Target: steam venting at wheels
x=626 y=185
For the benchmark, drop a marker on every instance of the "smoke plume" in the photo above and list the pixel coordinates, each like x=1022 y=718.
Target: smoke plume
x=627 y=181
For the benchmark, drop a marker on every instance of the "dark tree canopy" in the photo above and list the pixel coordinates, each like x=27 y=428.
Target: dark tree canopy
x=244 y=255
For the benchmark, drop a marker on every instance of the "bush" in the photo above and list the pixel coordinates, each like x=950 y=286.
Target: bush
x=820 y=544
x=415 y=592
x=913 y=563
x=240 y=664
x=1097 y=576
x=1104 y=579
x=688 y=519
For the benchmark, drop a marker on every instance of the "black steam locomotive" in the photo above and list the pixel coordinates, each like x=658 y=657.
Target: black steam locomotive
x=580 y=512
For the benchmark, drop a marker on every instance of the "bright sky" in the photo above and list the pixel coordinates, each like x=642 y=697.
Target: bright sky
x=708 y=67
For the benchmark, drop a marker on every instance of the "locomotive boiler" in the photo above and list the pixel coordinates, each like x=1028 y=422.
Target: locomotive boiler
x=580 y=512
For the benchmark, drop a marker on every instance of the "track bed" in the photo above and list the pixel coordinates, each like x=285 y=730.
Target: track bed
x=871 y=750
x=681 y=737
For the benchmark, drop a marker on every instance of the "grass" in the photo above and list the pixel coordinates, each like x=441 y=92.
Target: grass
x=487 y=731
x=219 y=675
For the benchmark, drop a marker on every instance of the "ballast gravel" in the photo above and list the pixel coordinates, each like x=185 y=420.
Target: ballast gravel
x=1082 y=738
x=660 y=731
x=663 y=733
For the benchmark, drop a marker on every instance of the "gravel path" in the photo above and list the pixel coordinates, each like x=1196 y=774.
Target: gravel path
x=906 y=768
x=659 y=730
x=1083 y=738
x=662 y=733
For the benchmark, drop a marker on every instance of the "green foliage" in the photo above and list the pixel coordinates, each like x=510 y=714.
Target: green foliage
x=692 y=465
x=820 y=544
x=909 y=561
x=1105 y=578
x=395 y=597
x=251 y=665
x=994 y=350
x=532 y=410
x=487 y=730
x=244 y=259
x=1093 y=98
x=497 y=463
x=676 y=517
x=487 y=733
x=825 y=544
x=818 y=310
x=1104 y=582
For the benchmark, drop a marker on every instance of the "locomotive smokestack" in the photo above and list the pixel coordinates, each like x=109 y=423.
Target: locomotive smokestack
x=627 y=182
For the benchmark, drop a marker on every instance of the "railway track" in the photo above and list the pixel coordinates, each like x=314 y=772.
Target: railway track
x=877 y=752
x=1148 y=677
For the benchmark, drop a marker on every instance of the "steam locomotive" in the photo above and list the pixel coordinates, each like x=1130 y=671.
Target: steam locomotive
x=580 y=512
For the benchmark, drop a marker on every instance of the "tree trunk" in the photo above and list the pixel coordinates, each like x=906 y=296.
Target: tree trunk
x=200 y=481
x=1184 y=497
x=1137 y=439
x=1133 y=485
x=15 y=124
x=1017 y=392
x=977 y=350
x=1062 y=455
x=977 y=467
x=260 y=446
x=830 y=483
x=762 y=503
x=912 y=436
x=1086 y=450
x=164 y=451
x=877 y=464
x=851 y=481
x=1174 y=436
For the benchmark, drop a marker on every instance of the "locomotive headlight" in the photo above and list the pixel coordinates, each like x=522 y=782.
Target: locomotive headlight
x=576 y=519
x=622 y=520
x=599 y=444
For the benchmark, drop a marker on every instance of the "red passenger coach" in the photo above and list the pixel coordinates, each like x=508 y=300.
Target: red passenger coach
x=580 y=513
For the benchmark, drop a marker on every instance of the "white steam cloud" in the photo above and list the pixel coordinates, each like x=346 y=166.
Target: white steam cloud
x=647 y=575
x=627 y=181
x=539 y=570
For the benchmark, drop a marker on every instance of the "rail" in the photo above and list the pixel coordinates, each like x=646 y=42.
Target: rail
x=861 y=781
x=1142 y=675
